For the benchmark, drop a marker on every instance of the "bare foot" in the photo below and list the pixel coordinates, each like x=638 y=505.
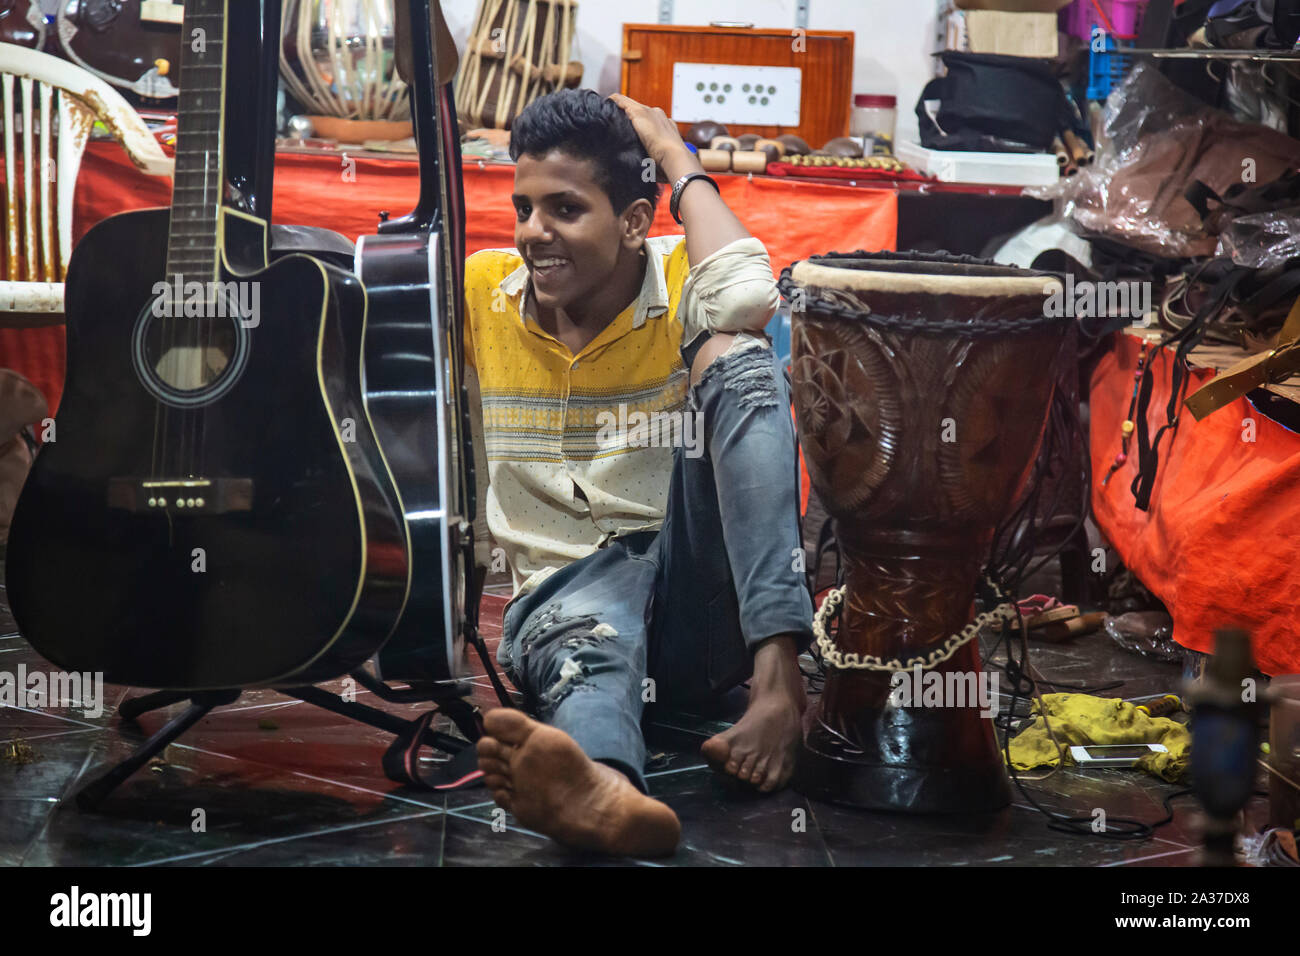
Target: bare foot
x=541 y=775
x=761 y=747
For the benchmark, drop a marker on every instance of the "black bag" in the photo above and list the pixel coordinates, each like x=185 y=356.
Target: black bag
x=1286 y=22
x=1267 y=24
x=993 y=103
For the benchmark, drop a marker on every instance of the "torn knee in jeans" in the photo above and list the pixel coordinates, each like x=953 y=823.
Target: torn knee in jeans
x=587 y=633
x=573 y=677
x=746 y=368
x=550 y=632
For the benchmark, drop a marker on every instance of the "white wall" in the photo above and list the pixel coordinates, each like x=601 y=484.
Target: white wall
x=892 y=38
x=892 y=42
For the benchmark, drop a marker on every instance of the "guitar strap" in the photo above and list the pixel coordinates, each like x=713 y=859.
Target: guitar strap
x=459 y=772
x=503 y=695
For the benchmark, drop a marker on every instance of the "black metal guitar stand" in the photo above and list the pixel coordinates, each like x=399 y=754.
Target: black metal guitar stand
x=90 y=795
x=447 y=699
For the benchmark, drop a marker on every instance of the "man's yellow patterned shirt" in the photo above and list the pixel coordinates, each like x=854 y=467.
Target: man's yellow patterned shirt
x=561 y=481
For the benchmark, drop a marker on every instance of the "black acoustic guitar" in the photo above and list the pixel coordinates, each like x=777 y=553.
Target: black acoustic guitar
x=214 y=511
x=412 y=271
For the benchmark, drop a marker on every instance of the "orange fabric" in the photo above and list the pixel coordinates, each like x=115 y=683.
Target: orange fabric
x=1218 y=545
x=792 y=219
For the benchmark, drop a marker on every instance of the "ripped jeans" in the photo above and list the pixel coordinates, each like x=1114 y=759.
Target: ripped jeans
x=674 y=616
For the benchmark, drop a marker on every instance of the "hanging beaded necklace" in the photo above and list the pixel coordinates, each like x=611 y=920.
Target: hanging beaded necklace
x=1126 y=427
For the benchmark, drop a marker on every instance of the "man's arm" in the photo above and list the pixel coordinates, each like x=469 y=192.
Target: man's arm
x=731 y=287
x=710 y=225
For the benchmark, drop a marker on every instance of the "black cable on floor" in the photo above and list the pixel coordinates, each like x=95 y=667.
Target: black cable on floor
x=1014 y=546
x=1115 y=828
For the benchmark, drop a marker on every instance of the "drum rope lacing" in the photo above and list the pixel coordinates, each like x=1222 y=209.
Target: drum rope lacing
x=833 y=656
x=973 y=328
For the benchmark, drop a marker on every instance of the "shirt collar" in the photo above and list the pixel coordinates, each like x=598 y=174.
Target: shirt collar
x=652 y=301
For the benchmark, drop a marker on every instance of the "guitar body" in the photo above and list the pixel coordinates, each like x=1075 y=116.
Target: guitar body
x=121 y=41
x=22 y=23
x=414 y=363
x=413 y=413
x=294 y=569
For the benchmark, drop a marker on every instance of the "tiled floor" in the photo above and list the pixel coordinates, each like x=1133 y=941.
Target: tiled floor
x=279 y=782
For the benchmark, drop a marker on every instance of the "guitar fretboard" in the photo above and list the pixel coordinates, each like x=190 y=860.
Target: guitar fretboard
x=199 y=178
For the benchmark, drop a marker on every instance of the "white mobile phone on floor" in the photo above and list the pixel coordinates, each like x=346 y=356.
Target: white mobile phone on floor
x=1114 y=755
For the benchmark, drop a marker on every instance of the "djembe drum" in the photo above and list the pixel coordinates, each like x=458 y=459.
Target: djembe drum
x=922 y=386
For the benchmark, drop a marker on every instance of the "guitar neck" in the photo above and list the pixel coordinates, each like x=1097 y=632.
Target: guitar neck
x=193 y=244
x=413 y=27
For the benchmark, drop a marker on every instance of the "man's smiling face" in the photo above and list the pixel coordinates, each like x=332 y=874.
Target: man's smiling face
x=565 y=228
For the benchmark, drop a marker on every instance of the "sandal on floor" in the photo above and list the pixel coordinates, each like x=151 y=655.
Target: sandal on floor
x=1039 y=610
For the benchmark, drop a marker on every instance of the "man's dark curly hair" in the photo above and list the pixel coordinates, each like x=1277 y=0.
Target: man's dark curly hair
x=586 y=125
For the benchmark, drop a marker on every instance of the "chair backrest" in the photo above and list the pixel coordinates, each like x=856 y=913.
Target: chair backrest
x=49 y=108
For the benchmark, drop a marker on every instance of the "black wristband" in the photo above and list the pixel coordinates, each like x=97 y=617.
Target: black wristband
x=675 y=202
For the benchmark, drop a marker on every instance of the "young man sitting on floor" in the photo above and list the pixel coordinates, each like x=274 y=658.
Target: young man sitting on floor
x=642 y=475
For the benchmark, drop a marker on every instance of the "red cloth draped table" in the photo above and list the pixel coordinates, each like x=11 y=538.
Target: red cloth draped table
x=793 y=219
x=1218 y=544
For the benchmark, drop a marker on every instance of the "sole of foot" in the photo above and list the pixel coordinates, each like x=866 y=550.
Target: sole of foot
x=541 y=775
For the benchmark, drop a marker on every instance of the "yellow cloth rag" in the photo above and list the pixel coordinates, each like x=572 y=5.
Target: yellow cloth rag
x=1083 y=719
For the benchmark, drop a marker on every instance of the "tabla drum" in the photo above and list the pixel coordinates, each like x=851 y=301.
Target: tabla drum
x=337 y=59
x=922 y=387
x=518 y=50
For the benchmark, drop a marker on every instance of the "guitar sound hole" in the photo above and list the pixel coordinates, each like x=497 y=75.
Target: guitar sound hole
x=194 y=358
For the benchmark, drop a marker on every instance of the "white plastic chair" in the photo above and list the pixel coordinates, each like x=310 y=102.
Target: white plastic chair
x=47 y=117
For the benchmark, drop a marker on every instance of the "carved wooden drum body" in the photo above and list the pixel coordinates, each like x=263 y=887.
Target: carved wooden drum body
x=922 y=386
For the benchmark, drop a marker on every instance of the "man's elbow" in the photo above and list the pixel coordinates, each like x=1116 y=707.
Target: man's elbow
x=748 y=306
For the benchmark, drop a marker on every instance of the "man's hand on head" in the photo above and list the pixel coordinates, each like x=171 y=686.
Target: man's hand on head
x=660 y=138
x=709 y=224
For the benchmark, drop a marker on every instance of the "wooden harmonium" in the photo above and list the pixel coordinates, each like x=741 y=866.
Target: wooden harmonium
x=767 y=82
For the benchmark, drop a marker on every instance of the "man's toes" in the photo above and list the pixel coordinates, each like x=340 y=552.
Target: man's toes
x=778 y=775
x=759 y=773
x=491 y=764
x=501 y=787
x=771 y=780
x=509 y=726
x=746 y=767
x=492 y=749
x=717 y=749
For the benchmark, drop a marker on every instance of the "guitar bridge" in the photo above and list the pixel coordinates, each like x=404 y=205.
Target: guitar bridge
x=181 y=495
